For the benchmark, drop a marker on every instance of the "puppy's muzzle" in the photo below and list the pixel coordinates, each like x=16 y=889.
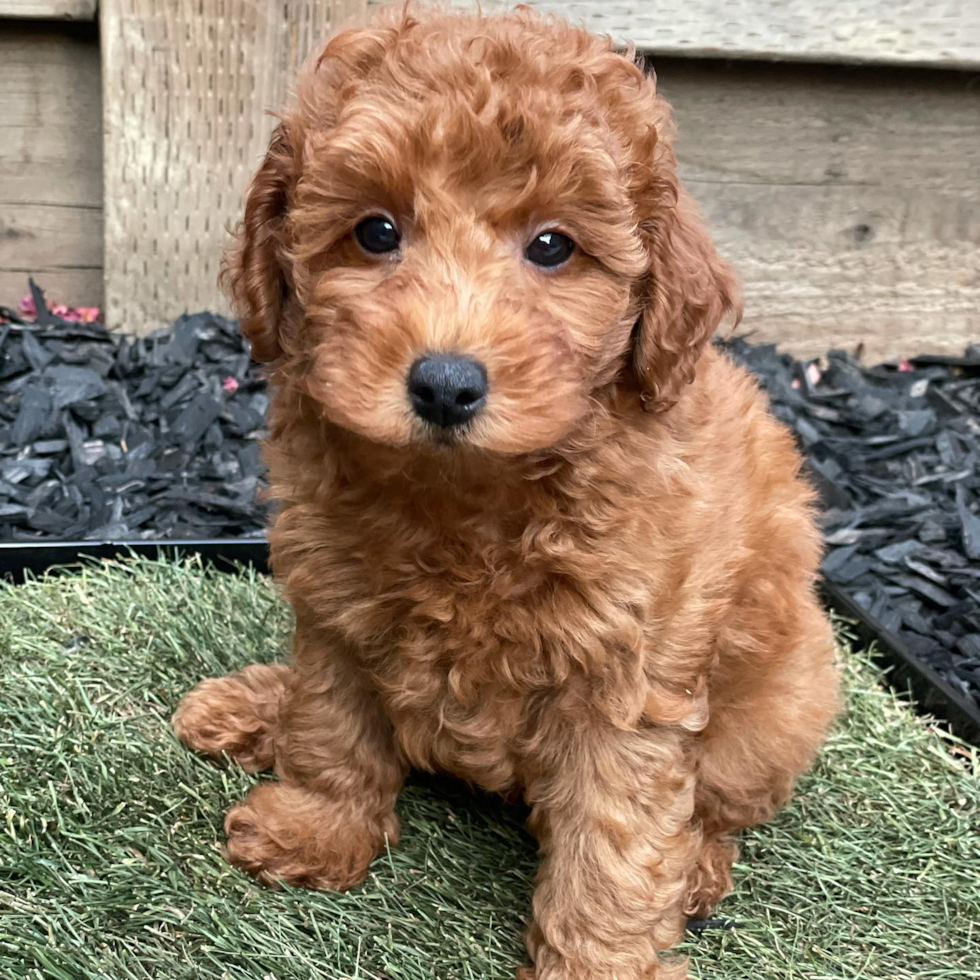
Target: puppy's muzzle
x=447 y=389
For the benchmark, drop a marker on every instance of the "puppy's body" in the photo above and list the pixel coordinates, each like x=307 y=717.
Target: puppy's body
x=607 y=609
x=486 y=596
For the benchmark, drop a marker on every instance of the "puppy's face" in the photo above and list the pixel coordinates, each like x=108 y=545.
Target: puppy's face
x=466 y=231
x=466 y=273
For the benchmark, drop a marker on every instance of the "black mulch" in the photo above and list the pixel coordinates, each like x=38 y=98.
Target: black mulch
x=104 y=436
x=894 y=452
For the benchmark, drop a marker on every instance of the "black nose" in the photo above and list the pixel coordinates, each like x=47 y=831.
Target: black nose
x=446 y=389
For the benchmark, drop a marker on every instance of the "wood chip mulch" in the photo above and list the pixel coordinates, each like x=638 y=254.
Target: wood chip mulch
x=105 y=436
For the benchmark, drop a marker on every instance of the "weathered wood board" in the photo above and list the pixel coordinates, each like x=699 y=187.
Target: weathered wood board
x=848 y=199
x=50 y=161
x=49 y=9
x=188 y=86
x=940 y=33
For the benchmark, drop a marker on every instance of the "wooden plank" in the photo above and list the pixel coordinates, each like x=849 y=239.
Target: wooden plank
x=187 y=87
x=49 y=9
x=847 y=199
x=50 y=162
x=50 y=116
x=76 y=287
x=60 y=246
x=940 y=33
x=27 y=232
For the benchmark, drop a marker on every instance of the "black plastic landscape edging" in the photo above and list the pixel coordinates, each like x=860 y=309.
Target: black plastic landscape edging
x=933 y=694
x=19 y=559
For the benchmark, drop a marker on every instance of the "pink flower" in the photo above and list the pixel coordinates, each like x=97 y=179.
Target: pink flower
x=76 y=314
x=905 y=365
x=230 y=385
x=812 y=373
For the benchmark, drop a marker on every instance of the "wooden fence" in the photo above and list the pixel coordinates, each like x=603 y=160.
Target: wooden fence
x=833 y=144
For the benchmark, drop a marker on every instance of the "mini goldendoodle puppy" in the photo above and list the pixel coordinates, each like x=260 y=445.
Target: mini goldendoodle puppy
x=536 y=531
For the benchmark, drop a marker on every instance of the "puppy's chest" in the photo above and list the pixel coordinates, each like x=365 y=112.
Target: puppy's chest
x=466 y=639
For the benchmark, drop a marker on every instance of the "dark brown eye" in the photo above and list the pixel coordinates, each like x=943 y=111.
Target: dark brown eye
x=378 y=235
x=550 y=249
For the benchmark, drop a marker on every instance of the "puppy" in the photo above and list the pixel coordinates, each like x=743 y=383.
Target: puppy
x=536 y=531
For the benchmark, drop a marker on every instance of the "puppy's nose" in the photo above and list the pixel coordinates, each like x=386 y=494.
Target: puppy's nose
x=446 y=389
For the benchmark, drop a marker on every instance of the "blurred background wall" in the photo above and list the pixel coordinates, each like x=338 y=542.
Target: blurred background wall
x=833 y=144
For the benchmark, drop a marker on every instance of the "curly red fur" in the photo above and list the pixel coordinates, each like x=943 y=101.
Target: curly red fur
x=607 y=609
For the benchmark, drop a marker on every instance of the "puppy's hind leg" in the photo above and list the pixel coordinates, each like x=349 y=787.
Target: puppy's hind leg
x=756 y=745
x=235 y=715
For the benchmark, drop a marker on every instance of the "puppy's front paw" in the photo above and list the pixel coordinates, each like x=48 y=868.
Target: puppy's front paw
x=284 y=833
x=235 y=715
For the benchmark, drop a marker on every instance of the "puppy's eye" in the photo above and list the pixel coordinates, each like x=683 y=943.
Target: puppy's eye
x=378 y=235
x=550 y=249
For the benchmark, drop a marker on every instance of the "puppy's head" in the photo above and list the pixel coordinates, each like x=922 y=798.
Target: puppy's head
x=467 y=229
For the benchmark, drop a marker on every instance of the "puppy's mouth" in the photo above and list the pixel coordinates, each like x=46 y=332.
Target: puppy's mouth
x=442 y=437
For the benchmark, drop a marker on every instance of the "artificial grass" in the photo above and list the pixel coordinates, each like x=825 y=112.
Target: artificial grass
x=110 y=861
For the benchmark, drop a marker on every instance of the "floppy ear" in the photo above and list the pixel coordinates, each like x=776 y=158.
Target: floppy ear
x=253 y=270
x=688 y=291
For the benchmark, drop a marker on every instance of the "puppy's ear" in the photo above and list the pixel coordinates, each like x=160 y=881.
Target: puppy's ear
x=254 y=271
x=687 y=293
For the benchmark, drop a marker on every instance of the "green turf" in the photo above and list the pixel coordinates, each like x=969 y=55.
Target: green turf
x=110 y=861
